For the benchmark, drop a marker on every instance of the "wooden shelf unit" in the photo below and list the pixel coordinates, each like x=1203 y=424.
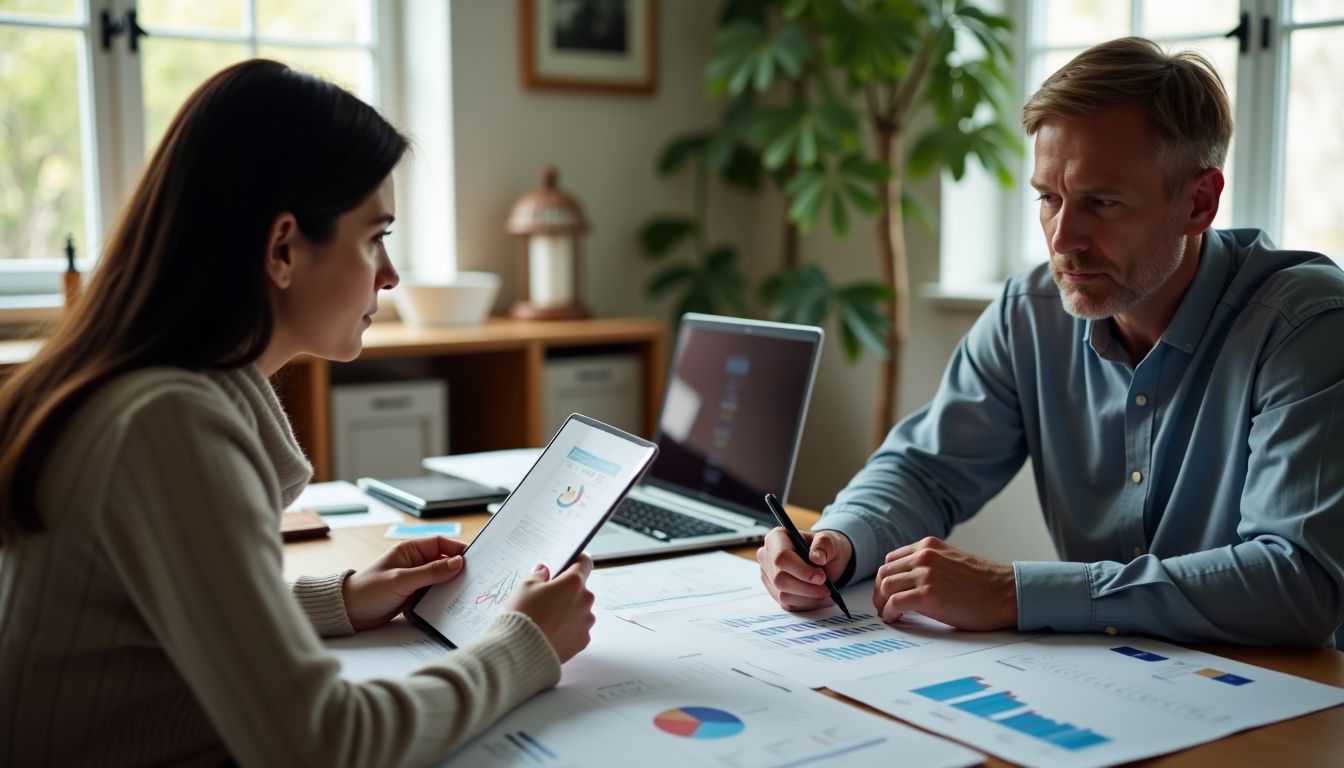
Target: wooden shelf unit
x=495 y=374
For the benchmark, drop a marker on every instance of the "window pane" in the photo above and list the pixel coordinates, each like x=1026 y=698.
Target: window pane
x=1189 y=17
x=188 y=15
x=1315 y=146
x=352 y=69
x=171 y=70
x=1083 y=22
x=326 y=20
x=65 y=9
x=41 y=163
x=1317 y=10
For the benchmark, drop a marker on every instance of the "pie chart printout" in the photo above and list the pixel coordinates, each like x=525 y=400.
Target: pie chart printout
x=698 y=723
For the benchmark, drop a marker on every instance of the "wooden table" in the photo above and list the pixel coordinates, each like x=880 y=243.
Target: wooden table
x=1313 y=740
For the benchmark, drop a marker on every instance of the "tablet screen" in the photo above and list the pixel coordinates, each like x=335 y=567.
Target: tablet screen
x=577 y=481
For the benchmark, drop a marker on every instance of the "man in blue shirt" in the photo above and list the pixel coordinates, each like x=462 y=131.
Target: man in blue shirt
x=1179 y=390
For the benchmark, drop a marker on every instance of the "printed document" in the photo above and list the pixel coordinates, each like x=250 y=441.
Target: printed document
x=820 y=647
x=678 y=582
x=1088 y=701
x=633 y=698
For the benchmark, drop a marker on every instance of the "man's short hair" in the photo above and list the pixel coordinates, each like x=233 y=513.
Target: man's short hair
x=1181 y=93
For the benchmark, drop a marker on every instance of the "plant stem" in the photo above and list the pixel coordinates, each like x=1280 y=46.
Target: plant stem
x=698 y=210
x=893 y=268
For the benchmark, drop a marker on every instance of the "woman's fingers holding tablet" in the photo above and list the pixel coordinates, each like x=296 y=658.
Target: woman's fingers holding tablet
x=561 y=607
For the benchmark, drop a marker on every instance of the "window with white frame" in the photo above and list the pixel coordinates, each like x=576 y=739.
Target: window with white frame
x=1282 y=62
x=90 y=85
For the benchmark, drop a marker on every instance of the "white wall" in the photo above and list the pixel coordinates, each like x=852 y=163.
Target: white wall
x=605 y=147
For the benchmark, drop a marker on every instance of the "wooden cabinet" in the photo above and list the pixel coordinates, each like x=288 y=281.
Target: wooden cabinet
x=495 y=375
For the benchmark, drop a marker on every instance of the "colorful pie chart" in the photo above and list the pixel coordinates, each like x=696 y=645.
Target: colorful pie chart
x=569 y=497
x=698 y=723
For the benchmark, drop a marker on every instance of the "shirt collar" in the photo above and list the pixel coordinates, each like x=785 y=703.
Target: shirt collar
x=1187 y=326
x=1206 y=290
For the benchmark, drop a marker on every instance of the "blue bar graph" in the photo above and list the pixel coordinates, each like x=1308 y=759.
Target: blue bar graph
x=1063 y=735
x=988 y=706
x=963 y=686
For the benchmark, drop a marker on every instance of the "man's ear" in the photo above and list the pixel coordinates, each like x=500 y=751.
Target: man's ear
x=1204 y=191
x=280 y=244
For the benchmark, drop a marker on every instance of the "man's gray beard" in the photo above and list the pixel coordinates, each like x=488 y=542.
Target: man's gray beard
x=1129 y=296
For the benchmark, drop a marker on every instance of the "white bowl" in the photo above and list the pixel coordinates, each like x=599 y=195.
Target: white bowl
x=463 y=301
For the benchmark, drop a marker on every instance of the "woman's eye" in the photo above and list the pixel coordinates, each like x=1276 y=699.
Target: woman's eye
x=378 y=238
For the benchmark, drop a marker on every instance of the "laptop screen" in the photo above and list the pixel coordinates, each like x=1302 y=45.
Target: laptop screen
x=734 y=409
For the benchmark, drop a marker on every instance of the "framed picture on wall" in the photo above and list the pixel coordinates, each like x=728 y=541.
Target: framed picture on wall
x=590 y=45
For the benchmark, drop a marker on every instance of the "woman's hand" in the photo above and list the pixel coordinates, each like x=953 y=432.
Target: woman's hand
x=561 y=607
x=379 y=592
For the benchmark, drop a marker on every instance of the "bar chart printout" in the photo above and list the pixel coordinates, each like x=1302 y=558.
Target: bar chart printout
x=816 y=648
x=1088 y=702
x=633 y=698
x=968 y=695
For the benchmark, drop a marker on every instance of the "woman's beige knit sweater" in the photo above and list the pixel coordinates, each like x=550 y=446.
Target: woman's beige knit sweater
x=150 y=622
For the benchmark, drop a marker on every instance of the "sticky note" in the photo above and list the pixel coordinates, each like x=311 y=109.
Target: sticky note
x=411 y=531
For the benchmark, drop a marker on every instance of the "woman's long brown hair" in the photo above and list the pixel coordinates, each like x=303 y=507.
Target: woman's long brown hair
x=181 y=281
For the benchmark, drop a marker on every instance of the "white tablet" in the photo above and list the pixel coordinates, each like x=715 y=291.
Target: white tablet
x=585 y=471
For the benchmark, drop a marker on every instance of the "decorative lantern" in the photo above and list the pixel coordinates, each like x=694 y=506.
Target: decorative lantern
x=548 y=225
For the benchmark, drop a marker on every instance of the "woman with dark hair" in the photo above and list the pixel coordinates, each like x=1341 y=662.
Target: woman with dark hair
x=144 y=460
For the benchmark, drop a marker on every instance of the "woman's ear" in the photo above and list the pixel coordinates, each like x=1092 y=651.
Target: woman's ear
x=279 y=250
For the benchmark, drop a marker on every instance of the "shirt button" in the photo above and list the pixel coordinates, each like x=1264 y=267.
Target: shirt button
x=1141 y=400
x=1111 y=630
x=1138 y=551
x=1136 y=476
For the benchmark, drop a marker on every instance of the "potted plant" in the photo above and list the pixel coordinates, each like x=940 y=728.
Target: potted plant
x=842 y=102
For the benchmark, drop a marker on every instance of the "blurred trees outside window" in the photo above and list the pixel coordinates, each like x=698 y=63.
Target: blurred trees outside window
x=77 y=119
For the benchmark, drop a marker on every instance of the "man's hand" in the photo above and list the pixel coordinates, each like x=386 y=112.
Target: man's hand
x=946 y=584
x=377 y=593
x=796 y=585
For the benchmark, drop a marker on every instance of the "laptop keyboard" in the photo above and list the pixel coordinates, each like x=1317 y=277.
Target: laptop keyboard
x=662 y=524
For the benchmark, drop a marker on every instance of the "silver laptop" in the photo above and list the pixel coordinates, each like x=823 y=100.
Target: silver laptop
x=728 y=433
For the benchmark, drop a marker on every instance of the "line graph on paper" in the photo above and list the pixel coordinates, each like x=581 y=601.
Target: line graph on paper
x=497 y=591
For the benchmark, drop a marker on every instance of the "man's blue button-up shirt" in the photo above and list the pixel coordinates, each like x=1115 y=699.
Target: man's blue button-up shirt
x=1197 y=496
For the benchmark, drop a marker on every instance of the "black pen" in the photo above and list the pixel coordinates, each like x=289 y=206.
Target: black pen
x=800 y=546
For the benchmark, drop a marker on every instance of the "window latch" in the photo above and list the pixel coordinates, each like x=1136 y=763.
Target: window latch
x=1242 y=33
x=111 y=28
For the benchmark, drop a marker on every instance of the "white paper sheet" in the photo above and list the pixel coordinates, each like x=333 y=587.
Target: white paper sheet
x=633 y=698
x=820 y=647
x=504 y=469
x=340 y=492
x=678 y=582
x=393 y=650
x=1087 y=701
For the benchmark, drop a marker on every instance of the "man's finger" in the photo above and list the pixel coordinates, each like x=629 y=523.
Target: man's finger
x=781 y=556
x=825 y=547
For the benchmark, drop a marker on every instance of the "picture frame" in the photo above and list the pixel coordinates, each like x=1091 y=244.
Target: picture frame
x=589 y=45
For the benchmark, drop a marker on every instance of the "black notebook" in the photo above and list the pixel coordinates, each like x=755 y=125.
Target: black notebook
x=432 y=495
